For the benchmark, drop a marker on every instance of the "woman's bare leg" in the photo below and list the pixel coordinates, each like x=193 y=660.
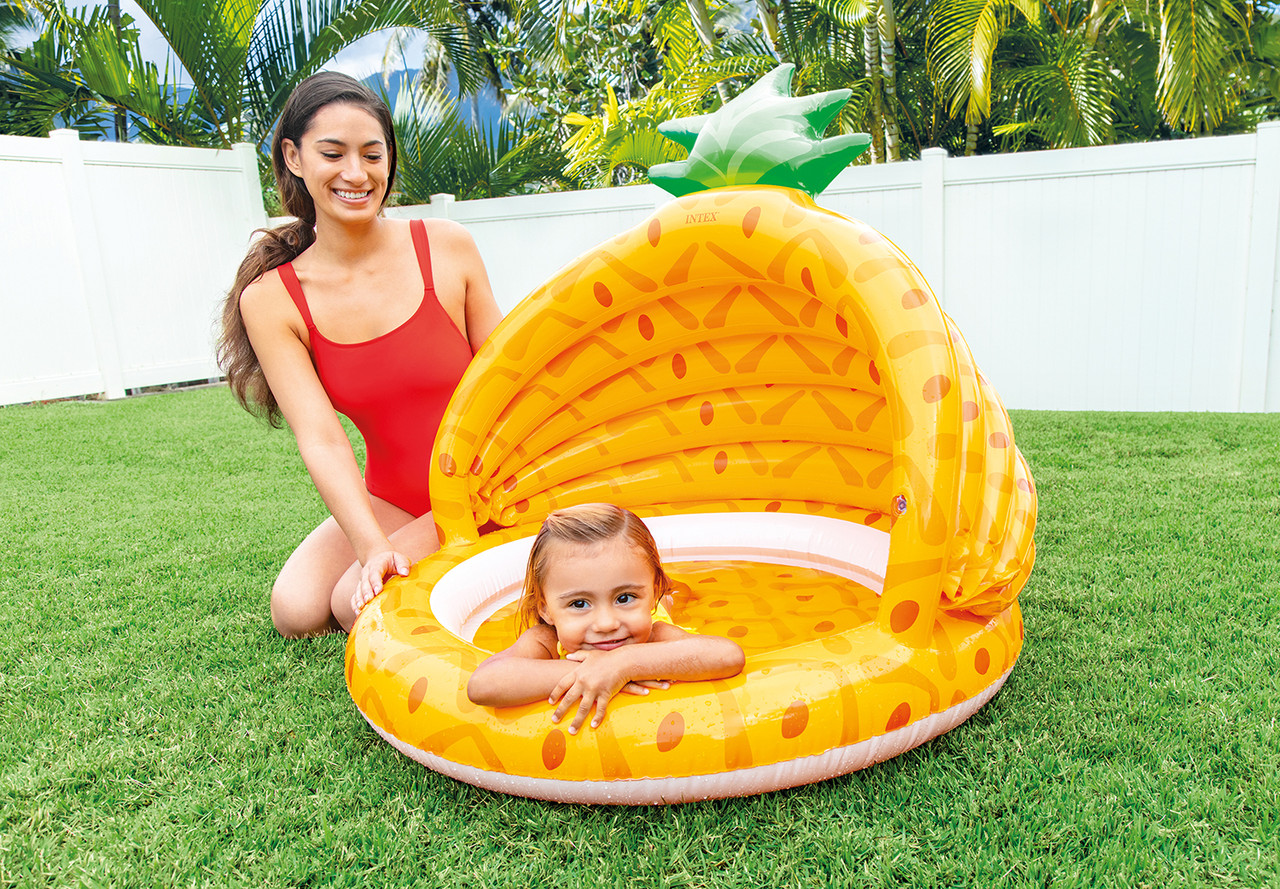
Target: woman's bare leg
x=302 y=598
x=416 y=539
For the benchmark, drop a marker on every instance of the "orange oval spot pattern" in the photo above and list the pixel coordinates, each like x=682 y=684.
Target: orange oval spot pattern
x=969 y=411
x=901 y=716
x=655 y=232
x=602 y=294
x=874 y=372
x=914 y=299
x=477 y=465
x=706 y=413
x=772 y=506
x=722 y=462
x=416 y=694
x=982 y=661
x=750 y=221
x=824 y=626
x=904 y=615
x=447 y=466
x=737 y=632
x=439 y=532
x=842 y=326
x=1024 y=485
x=837 y=645
x=795 y=720
x=679 y=366
x=553 y=750
x=806 y=279
x=646 y=327
x=998 y=440
x=936 y=388
x=670 y=731
x=510 y=484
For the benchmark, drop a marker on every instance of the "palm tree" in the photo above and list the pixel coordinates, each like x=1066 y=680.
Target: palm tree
x=79 y=70
x=1077 y=73
x=243 y=58
x=960 y=44
x=442 y=153
x=619 y=143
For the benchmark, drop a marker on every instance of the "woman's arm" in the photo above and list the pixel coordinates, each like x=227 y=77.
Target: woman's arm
x=467 y=282
x=277 y=333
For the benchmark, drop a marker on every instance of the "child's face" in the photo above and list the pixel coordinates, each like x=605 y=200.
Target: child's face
x=598 y=596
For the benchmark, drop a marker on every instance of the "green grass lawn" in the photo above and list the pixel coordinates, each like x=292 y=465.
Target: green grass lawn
x=156 y=731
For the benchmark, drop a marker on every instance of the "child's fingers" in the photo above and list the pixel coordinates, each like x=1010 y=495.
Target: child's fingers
x=602 y=703
x=584 y=710
x=652 y=683
x=558 y=692
x=634 y=688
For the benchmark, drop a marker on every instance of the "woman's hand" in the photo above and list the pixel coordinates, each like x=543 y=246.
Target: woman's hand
x=377 y=569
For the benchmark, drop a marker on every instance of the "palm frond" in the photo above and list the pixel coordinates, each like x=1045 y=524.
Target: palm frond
x=959 y=43
x=1198 y=40
x=1066 y=98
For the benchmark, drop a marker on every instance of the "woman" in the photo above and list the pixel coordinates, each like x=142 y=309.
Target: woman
x=347 y=311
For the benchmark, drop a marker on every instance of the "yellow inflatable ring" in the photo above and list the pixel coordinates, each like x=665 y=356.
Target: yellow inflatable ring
x=793 y=717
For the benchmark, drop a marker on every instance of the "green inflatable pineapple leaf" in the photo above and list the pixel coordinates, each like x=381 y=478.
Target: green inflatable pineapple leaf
x=763 y=136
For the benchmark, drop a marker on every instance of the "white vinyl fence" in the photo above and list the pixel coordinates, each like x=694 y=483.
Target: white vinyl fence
x=1132 y=277
x=113 y=259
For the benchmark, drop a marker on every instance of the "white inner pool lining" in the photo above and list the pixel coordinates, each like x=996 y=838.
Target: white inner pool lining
x=470 y=593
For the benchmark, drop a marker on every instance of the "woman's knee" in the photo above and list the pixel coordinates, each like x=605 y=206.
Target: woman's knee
x=296 y=614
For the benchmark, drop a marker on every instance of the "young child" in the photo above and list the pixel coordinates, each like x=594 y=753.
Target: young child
x=592 y=586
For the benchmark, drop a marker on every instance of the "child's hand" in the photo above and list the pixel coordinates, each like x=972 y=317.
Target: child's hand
x=642 y=686
x=635 y=686
x=593 y=684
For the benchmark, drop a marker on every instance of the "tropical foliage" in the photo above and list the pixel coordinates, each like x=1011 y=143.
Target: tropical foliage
x=240 y=57
x=441 y=152
x=584 y=85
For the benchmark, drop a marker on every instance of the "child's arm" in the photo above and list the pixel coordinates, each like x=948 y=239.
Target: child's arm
x=528 y=671
x=671 y=653
x=525 y=672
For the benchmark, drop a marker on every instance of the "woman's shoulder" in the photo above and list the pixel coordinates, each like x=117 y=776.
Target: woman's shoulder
x=447 y=234
x=266 y=304
x=263 y=291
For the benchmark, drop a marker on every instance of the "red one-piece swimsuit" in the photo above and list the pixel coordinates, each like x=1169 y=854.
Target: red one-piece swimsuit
x=394 y=387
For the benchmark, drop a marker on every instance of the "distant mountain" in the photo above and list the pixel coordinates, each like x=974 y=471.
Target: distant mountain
x=490 y=110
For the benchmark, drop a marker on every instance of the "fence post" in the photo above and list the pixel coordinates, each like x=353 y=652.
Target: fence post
x=440 y=205
x=933 y=219
x=1260 y=290
x=247 y=154
x=93 y=279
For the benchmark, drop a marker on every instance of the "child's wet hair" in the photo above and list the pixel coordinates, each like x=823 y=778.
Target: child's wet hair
x=585 y=524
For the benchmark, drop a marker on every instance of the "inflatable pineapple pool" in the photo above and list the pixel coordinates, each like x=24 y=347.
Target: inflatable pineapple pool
x=832 y=483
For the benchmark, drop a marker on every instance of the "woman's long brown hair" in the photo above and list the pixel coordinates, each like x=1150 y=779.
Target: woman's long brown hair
x=275 y=247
